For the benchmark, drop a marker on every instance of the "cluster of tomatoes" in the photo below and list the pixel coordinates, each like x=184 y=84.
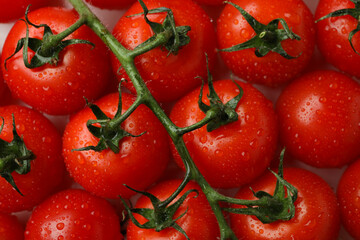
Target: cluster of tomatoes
x=316 y=117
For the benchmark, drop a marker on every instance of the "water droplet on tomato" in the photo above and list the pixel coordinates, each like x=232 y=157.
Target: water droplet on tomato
x=60 y=226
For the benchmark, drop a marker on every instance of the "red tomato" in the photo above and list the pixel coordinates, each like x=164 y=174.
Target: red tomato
x=234 y=154
x=47 y=169
x=111 y=4
x=82 y=71
x=320 y=119
x=16 y=9
x=272 y=69
x=348 y=195
x=210 y=2
x=333 y=34
x=10 y=228
x=168 y=77
x=104 y=173
x=73 y=214
x=199 y=222
x=316 y=214
x=2 y=84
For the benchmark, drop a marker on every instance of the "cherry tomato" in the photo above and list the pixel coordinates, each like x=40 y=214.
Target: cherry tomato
x=168 y=77
x=10 y=228
x=320 y=119
x=82 y=71
x=272 y=69
x=210 y=2
x=111 y=4
x=234 y=154
x=316 y=214
x=73 y=214
x=2 y=84
x=16 y=9
x=104 y=173
x=47 y=169
x=333 y=34
x=348 y=195
x=199 y=222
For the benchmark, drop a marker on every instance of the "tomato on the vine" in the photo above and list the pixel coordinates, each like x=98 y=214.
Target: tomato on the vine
x=316 y=210
x=349 y=199
x=104 y=173
x=111 y=4
x=210 y=2
x=271 y=69
x=319 y=116
x=333 y=36
x=10 y=228
x=199 y=222
x=73 y=214
x=238 y=152
x=81 y=70
x=16 y=9
x=168 y=77
x=47 y=169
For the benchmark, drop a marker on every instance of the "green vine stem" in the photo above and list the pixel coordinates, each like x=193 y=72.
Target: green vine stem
x=126 y=57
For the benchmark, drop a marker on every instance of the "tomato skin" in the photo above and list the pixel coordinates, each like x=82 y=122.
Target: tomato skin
x=104 y=173
x=73 y=214
x=82 y=71
x=272 y=69
x=17 y=8
x=319 y=119
x=316 y=215
x=168 y=77
x=210 y=2
x=347 y=192
x=333 y=34
x=199 y=222
x=47 y=170
x=10 y=228
x=234 y=154
x=111 y=4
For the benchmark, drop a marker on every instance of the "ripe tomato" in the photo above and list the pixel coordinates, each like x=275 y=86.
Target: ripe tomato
x=320 y=119
x=47 y=169
x=82 y=71
x=104 y=173
x=2 y=84
x=111 y=4
x=236 y=153
x=348 y=195
x=333 y=34
x=210 y=2
x=16 y=9
x=199 y=222
x=10 y=228
x=73 y=214
x=272 y=69
x=168 y=77
x=316 y=214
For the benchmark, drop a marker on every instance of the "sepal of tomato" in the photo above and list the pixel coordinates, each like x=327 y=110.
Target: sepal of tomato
x=198 y=222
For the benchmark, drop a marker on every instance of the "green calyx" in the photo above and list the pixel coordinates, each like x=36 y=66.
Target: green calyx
x=354 y=12
x=270 y=208
x=109 y=134
x=48 y=48
x=179 y=35
x=161 y=216
x=268 y=38
x=14 y=156
x=219 y=113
